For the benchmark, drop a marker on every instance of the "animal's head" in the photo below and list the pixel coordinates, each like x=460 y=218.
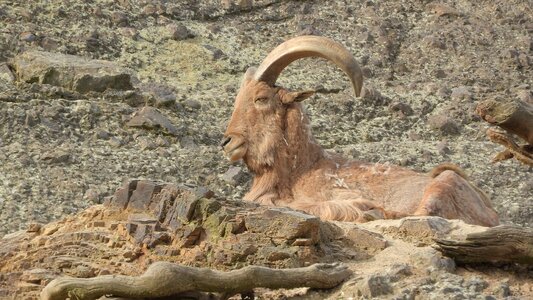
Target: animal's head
x=257 y=127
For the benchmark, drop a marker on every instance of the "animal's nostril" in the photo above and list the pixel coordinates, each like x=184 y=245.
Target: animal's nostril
x=225 y=141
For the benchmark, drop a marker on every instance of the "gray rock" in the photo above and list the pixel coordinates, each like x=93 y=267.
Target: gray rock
x=238 y=5
x=461 y=93
x=28 y=37
x=72 y=72
x=151 y=118
x=439 y=73
x=56 y=156
x=93 y=196
x=192 y=104
x=373 y=286
x=146 y=143
x=443 y=149
x=526 y=96
x=435 y=42
x=424 y=227
x=442 y=263
x=444 y=124
x=372 y=96
x=366 y=240
x=115 y=142
x=400 y=109
x=398 y=271
x=476 y=284
x=149 y=9
x=216 y=53
x=5 y=73
x=233 y=175
x=119 y=18
x=503 y=290
x=102 y=135
x=179 y=32
x=159 y=94
x=187 y=142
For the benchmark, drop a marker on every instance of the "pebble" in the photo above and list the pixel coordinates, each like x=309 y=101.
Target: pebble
x=233 y=175
x=149 y=9
x=192 y=104
x=102 y=135
x=179 y=32
x=119 y=18
x=92 y=196
x=34 y=227
x=461 y=93
x=215 y=52
x=443 y=149
x=28 y=37
x=444 y=124
x=400 y=109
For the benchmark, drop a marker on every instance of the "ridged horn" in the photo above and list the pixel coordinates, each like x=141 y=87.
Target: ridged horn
x=309 y=46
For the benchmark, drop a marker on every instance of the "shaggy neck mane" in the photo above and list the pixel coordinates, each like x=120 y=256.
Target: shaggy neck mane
x=296 y=152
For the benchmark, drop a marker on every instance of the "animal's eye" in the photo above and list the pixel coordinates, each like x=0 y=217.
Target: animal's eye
x=261 y=100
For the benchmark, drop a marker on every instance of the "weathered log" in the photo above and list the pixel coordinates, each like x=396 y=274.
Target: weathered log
x=514 y=116
x=164 y=279
x=504 y=243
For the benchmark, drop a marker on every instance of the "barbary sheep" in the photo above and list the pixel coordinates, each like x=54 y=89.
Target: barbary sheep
x=270 y=132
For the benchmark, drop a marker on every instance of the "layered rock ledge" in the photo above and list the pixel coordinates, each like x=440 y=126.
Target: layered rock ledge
x=148 y=221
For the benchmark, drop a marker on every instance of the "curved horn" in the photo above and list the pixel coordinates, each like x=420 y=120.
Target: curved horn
x=309 y=46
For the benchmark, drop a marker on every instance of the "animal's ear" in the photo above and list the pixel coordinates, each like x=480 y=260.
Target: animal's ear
x=291 y=97
x=248 y=75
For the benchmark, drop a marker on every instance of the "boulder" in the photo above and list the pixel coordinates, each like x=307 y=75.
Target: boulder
x=72 y=72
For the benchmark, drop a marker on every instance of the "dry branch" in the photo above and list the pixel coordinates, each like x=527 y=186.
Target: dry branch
x=497 y=244
x=164 y=279
x=515 y=117
x=521 y=153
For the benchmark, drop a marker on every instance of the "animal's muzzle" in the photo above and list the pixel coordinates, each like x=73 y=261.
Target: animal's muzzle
x=225 y=140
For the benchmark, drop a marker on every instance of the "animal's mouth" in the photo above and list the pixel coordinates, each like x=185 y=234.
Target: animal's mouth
x=235 y=151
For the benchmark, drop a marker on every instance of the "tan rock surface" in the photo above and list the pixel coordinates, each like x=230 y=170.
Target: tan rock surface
x=146 y=221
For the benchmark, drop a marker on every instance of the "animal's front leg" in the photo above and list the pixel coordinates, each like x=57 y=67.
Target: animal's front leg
x=268 y=199
x=379 y=213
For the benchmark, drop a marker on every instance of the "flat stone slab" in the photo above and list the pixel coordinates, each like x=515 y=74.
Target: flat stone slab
x=72 y=72
x=151 y=118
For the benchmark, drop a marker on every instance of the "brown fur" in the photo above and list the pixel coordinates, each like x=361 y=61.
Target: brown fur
x=270 y=132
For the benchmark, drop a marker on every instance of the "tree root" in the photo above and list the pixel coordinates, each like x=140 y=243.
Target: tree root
x=164 y=279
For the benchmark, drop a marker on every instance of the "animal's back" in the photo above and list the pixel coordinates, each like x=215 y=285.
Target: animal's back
x=391 y=187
